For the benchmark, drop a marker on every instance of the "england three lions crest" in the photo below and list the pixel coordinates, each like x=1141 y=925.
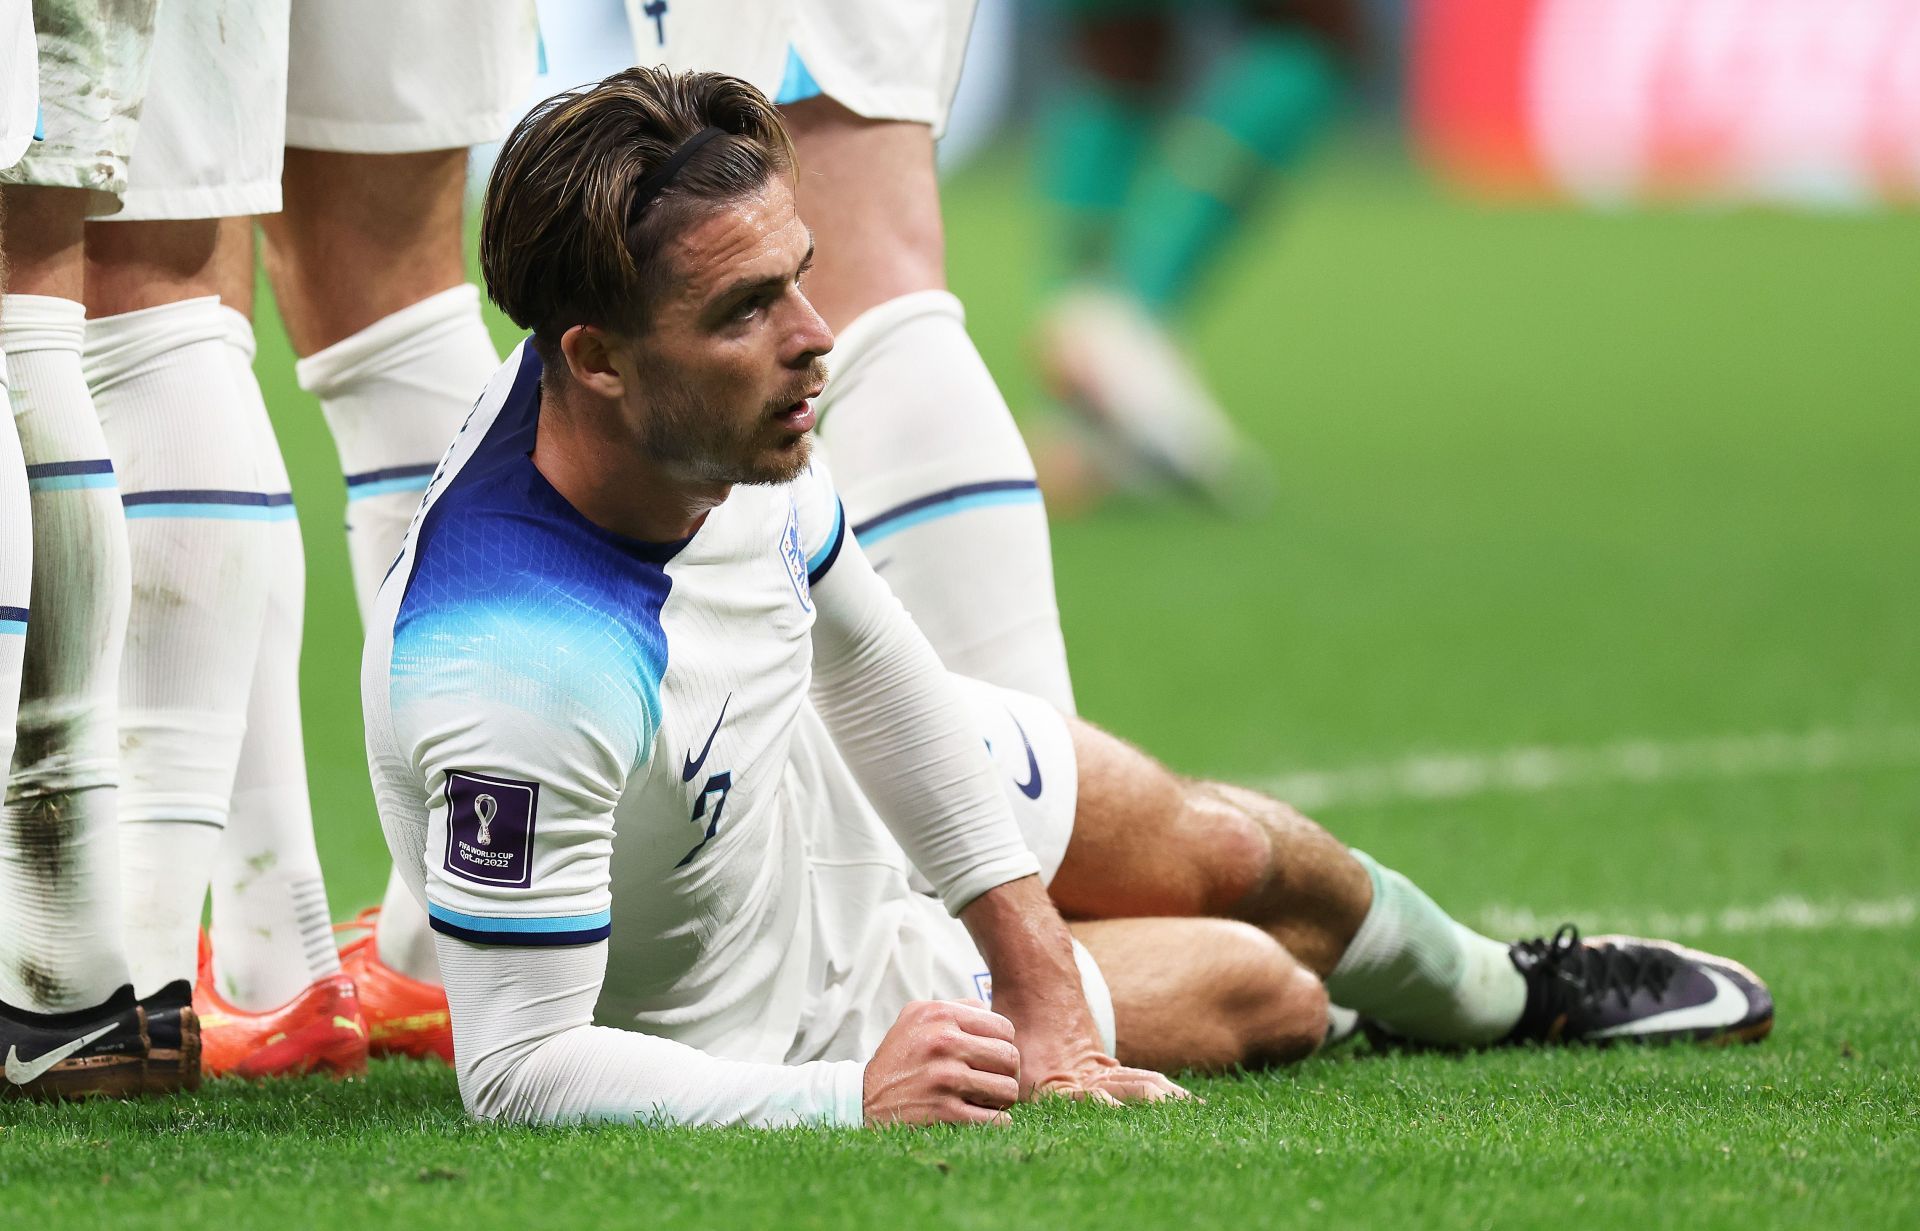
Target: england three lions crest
x=795 y=559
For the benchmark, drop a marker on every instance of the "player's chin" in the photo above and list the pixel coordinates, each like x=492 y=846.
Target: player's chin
x=782 y=462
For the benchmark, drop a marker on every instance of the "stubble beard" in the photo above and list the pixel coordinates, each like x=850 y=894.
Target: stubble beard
x=683 y=432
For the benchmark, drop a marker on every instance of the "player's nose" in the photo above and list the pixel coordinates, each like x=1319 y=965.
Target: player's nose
x=811 y=337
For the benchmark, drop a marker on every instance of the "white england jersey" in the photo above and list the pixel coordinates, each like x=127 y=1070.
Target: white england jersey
x=577 y=736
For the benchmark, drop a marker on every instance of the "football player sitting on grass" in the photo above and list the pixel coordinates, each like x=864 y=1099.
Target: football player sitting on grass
x=705 y=831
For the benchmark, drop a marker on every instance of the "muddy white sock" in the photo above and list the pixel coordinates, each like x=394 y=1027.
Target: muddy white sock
x=61 y=946
x=272 y=932
x=197 y=529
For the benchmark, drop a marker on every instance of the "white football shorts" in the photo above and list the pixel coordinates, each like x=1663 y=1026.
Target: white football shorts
x=93 y=74
x=212 y=127
x=883 y=59
x=401 y=76
x=878 y=945
x=19 y=80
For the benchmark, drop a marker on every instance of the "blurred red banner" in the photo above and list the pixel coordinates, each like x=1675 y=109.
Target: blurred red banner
x=1803 y=102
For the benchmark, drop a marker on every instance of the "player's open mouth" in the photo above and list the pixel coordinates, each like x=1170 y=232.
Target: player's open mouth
x=799 y=417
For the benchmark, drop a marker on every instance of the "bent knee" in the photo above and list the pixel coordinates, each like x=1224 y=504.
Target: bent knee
x=1276 y=1007
x=1233 y=852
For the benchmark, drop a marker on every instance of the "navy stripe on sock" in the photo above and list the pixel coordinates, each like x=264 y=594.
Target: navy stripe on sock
x=49 y=470
x=197 y=496
x=13 y=613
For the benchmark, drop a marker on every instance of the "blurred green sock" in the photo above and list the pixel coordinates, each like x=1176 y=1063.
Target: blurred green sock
x=1092 y=136
x=1255 y=114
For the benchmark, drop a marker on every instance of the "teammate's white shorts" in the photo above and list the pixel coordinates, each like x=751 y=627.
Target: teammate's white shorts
x=883 y=59
x=212 y=127
x=875 y=947
x=401 y=76
x=93 y=74
x=19 y=80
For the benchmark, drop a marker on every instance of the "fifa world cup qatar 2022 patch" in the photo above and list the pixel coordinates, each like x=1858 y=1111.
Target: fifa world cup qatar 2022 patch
x=490 y=829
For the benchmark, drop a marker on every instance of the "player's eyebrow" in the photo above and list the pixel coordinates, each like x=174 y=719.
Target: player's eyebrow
x=736 y=290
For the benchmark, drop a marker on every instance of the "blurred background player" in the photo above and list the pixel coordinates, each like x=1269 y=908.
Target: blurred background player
x=1148 y=190
x=71 y=1020
x=367 y=262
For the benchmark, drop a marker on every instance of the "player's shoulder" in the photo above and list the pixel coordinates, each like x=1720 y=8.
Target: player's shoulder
x=820 y=521
x=514 y=591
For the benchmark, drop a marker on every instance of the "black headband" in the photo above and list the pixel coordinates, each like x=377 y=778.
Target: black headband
x=651 y=187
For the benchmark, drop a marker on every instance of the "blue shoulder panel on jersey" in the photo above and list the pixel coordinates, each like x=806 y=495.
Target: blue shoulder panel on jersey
x=482 y=930
x=511 y=587
x=822 y=560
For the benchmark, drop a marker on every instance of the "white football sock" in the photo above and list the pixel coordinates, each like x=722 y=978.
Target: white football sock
x=940 y=492
x=404 y=939
x=394 y=395
x=197 y=528
x=272 y=933
x=16 y=567
x=61 y=946
x=1423 y=975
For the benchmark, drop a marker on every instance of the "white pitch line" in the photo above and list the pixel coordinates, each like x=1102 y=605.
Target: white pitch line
x=1530 y=770
x=1782 y=914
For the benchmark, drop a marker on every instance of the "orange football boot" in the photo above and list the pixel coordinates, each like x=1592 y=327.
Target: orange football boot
x=405 y=1017
x=322 y=1030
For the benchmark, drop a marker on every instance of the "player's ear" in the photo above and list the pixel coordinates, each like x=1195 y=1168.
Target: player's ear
x=591 y=362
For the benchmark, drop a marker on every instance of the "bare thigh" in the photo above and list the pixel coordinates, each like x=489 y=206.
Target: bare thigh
x=362 y=236
x=1204 y=994
x=867 y=189
x=1149 y=842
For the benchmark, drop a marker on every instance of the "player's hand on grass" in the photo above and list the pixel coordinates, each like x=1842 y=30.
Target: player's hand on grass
x=944 y=1062
x=1077 y=1067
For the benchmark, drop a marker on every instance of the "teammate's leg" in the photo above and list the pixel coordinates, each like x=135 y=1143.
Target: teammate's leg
x=61 y=945
x=1205 y=994
x=397 y=352
x=368 y=269
x=937 y=482
x=16 y=534
x=1147 y=842
x=272 y=932
x=201 y=556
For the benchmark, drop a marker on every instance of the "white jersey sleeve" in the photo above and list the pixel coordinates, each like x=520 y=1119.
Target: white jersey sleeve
x=897 y=718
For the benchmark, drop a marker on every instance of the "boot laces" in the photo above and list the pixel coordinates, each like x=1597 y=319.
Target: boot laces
x=1581 y=974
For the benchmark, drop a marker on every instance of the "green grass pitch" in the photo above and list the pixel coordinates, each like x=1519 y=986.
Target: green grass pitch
x=1547 y=480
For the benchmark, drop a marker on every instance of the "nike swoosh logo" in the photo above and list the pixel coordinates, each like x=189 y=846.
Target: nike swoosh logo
x=1728 y=1006
x=20 y=1072
x=1032 y=786
x=694 y=763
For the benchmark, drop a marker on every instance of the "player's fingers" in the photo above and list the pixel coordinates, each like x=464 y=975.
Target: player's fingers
x=996 y=1090
x=989 y=1055
x=1143 y=1084
x=971 y=1113
x=976 y=1018
x=1066 y=1087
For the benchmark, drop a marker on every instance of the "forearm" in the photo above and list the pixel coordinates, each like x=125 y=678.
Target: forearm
x=526 y=1051
x=905 y=731
x=1029 y=952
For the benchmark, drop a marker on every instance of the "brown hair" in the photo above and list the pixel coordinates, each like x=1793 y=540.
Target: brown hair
x=558 y=244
